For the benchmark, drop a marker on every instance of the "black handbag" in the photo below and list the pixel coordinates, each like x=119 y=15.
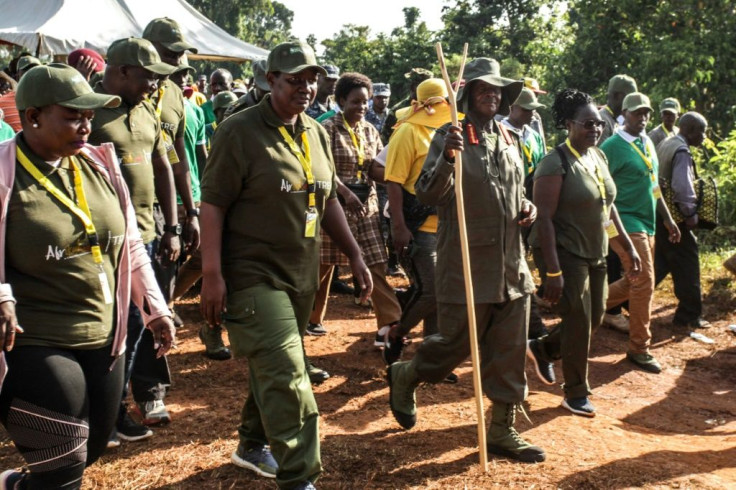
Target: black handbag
x=706 y=205
x=361 y=191
x=415 y=213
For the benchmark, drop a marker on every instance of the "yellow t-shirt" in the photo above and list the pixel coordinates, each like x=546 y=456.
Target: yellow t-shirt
x=407 y=150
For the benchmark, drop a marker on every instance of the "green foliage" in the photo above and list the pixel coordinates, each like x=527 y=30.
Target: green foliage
x=721 y=167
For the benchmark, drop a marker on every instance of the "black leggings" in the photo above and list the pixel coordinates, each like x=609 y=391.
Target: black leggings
x=59 y=407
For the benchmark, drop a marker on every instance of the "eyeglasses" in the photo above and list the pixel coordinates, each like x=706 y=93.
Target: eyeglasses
x=590 y=123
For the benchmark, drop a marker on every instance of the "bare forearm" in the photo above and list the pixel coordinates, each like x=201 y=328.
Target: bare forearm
x=396 y=203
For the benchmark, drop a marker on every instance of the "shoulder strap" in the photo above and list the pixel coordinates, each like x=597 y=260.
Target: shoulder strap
x=563 y=157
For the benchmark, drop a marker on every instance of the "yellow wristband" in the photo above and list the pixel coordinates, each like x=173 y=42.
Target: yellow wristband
x=554 y=274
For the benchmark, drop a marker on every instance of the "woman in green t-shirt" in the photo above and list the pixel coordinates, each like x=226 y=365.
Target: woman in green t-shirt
x=574 y=194
x=72 y=254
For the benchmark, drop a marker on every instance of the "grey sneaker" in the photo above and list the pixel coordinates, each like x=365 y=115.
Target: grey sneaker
x=154 y=413
x=259 y=459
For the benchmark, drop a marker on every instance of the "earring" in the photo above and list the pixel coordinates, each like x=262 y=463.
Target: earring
x=35 y=125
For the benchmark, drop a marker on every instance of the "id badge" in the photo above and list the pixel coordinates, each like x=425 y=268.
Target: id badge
x=656 y=192
x=610 y=228
x=310 y=223
x=105 y=285
x=170 y=150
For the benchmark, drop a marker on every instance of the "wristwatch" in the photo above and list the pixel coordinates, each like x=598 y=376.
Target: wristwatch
x=175 y=229
x=192 y=213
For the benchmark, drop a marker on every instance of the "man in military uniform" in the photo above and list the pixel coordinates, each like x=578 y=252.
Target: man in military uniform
x=669 y=111
x=496 y=209
x=324 y=101
x=415 y=77
x=132 y=72
x=619 y=86
x=377 y=114
x=254 y=95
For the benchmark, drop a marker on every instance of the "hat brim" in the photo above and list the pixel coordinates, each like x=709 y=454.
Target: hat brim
x=262 y=83
x=91 y=101
x=299 y=68
x=382 y=94
x=636 y=108
x=161 y=68
x=670 y=109
x=533 y=106
x=180 y=47
x=510 y=90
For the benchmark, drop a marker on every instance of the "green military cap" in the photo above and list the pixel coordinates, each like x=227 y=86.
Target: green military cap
x=418 y=75
x=184 y=65
x=293 y=57
x=167 y=32
x=223 y=99
x=259 y=75
x=670 y=104
x=27 y=62
x=635 y=101
x=488 y=70
x=621 y=83
x=59 y=84
x=527 y=100
x=133 y=51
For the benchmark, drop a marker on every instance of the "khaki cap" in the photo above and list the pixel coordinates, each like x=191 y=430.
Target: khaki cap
x=488 y=70
x=133 y=51
x=670 y=104
x=259 y=75
x=527 y=100
x=621 y=83
x=27 y=62
x=167 y=32
x=223 y=99
x=293 y=57
x=635 y=101
x=59 y=84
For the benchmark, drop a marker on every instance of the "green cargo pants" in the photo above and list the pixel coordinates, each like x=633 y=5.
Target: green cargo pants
x=502 y=331
x=266 y=325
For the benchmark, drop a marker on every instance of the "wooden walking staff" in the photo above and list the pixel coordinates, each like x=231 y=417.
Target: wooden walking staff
x=465 y=250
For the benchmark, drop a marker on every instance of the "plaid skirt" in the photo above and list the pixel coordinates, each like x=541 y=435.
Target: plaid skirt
x=365 y=230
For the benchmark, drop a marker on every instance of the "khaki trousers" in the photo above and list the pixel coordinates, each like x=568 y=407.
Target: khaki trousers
x=638 y=292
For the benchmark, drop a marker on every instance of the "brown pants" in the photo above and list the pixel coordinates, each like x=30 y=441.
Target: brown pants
x=638 y=292
x=385 y=303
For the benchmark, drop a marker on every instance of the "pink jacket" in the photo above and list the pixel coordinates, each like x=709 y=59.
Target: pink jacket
x=135 y=281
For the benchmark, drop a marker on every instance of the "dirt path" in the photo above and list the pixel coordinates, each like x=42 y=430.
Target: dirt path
x=673 y=430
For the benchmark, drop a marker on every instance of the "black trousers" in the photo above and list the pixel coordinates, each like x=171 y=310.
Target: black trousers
x=682 y=260
x=59 y=407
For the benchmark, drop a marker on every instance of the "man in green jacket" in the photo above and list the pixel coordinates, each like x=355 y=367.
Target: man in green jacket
x=495 y=212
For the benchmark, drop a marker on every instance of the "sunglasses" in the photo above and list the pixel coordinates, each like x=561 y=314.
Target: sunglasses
x=590 y=123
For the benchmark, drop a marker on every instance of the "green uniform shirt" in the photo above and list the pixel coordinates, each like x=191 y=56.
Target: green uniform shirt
x=171 y=113
x=580 y=217
x=48 y=262
x=209 y=112
x=136 y=134
x=635 y=199
x=193 y=136
x=254 y=175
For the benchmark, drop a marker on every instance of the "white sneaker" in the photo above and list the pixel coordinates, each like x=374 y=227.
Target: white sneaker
x=154 y=413
x=618 y=322
x=380 y=342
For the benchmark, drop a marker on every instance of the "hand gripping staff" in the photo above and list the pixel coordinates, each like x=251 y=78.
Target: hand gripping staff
x=469 y=296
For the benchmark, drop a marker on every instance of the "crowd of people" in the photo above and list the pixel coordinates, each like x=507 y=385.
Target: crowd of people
x=126 y=180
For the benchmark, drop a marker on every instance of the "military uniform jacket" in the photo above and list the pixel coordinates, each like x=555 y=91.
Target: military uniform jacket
x=494 y=194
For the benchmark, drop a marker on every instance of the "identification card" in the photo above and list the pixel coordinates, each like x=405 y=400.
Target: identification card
x=310 y=223
x=611 y=230
x=656 y=192
x=105 y=285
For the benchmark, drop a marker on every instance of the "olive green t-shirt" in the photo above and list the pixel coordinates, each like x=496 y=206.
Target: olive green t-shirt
x=172 y=115
x=254 y=175
x=580 y=216
x=136 y=134
x=48 y=262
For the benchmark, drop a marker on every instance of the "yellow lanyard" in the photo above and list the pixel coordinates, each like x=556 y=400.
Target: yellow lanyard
x=359 y=145
x=667 y=133
x=609 y=110
x=305 y=159
x=160 y=103
x=528 y=155
x=598 y=175
x=647 y=159
x=81 y=211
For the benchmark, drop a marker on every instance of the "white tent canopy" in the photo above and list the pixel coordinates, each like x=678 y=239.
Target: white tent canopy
x=58 y=27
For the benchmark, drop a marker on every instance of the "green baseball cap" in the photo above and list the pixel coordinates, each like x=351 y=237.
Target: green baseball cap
x=670 y=104
x=167 y=32
x=635 y=101
x=223 y=99
x=59 y=84
x=621 y=83
x=527 y=100
x=27 y=62
x=133 y=51
x=293 y=57
x=259 y=75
